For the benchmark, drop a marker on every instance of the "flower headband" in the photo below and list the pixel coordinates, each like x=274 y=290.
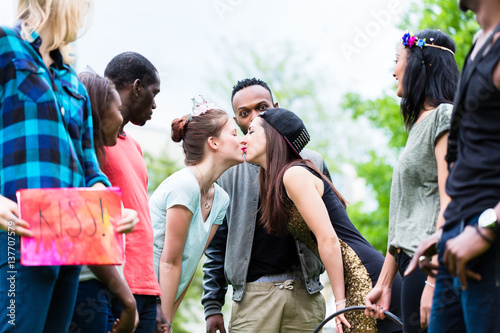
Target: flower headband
x=409 y=40
x=200 y=107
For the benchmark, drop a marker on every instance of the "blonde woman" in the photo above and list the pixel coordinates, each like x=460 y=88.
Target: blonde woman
x=46 y=142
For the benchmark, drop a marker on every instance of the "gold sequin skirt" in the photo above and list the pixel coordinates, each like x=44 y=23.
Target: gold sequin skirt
x=357 y=285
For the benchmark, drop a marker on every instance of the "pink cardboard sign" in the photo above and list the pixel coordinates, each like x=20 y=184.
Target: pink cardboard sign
x=71 y=226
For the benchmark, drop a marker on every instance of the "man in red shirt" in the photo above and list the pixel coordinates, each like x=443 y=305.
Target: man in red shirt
x=138 y=82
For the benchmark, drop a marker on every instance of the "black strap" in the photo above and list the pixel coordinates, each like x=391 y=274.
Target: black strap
x=458 y=107
x=304 y=165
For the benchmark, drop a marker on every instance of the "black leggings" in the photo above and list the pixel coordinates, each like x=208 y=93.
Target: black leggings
x=411 y=292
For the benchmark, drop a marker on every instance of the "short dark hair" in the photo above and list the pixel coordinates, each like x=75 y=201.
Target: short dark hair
x=126 y=67
x=248 y=83
x=431 y=75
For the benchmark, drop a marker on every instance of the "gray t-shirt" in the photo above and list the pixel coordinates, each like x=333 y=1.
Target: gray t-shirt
x=414 y=207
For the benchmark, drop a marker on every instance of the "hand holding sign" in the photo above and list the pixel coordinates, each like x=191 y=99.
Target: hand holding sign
x=128 y=221
x=9 y=220
x=71 y=226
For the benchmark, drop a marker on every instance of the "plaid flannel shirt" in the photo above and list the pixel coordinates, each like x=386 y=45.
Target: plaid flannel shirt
x=39 y=146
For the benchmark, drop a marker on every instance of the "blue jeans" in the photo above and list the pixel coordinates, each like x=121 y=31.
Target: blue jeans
x=475 y=309
x=34 y=299
x=146 y=307
x=93 y=308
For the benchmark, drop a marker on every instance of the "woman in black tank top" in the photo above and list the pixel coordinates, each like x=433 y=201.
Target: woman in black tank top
x=295 y=197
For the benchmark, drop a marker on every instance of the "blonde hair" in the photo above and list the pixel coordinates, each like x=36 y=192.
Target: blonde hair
x=64 y=18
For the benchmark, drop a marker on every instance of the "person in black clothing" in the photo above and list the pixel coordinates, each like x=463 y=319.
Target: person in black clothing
x=467 y=293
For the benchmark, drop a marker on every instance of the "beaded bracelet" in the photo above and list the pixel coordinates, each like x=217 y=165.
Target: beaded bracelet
x=430 y=284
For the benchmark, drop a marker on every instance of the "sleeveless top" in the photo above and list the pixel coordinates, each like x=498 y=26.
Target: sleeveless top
x=362 y=262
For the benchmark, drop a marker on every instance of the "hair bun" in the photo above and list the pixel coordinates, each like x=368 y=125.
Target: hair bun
x=178 y=129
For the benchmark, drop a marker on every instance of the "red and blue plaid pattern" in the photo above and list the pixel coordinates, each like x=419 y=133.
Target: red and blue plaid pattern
x=39 y=146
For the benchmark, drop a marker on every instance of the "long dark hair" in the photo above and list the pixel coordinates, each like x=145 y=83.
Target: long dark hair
x=274 y=202
x=431 y=75
x=99 y=89
x=194 y=132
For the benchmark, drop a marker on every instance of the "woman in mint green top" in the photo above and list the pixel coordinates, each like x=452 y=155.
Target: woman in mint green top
x=183 y=189
x=426 y=74
x=187 y=207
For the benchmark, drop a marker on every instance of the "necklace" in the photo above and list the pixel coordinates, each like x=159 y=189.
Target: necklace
x=207 y=204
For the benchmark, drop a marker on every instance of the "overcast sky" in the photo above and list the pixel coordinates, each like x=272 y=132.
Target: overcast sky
x=183 y=39
x=353 y=41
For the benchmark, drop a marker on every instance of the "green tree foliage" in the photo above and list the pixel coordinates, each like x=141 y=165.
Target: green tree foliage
x=159 y=168
x=384 y=114
x=190 y=311
x=447 y=17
